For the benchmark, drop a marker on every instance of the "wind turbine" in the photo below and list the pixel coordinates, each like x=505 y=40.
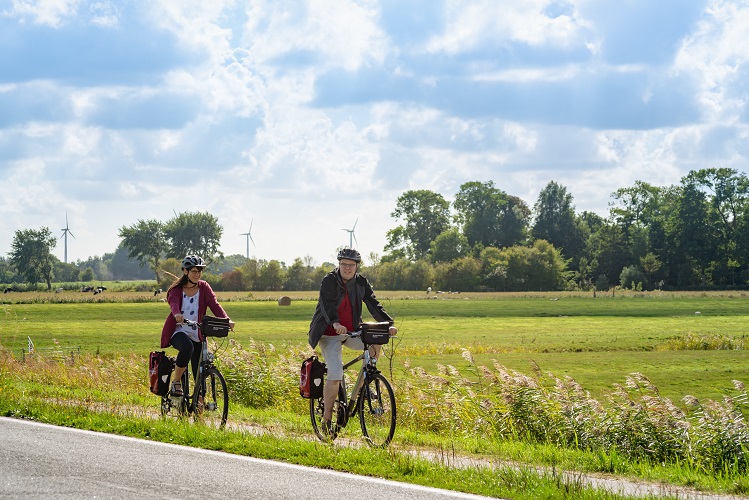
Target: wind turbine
x=249 y=238
x=351 y=235
x=65 y=232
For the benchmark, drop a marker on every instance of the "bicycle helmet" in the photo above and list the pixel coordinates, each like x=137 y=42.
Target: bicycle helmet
x=350 y=254
x=193 y=261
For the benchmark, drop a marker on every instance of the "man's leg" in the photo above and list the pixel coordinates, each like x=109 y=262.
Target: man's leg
x=330 y=391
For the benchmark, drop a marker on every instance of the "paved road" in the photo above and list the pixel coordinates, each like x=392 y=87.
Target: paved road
x=45 y=461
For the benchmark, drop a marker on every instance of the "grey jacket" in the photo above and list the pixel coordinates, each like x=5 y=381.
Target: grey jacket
x=332 y=292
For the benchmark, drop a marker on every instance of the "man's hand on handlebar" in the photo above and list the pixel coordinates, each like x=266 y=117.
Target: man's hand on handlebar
x=339 y=328
x=393 y=331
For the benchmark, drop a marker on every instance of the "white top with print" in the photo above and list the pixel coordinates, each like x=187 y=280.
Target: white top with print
x=190 y=312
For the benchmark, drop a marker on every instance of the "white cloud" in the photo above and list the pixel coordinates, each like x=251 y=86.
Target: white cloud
x=303 y=116
x=46 y=12
x=473 y=25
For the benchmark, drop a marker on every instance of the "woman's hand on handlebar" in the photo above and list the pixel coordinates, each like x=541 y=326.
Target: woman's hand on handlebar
x=180 y=318
x=393 y=331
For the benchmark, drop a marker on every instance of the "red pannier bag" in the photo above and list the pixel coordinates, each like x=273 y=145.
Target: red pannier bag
x=311 y=378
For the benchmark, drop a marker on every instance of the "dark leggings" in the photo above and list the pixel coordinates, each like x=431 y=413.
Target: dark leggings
x=188 y=350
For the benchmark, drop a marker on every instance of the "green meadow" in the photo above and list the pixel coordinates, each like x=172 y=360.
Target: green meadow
x=645 y=386
x=597 y=341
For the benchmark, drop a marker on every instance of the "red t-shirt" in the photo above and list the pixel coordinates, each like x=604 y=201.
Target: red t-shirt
x=345 y=317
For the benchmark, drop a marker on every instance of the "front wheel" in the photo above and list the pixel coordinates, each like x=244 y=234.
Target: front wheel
x=376 y=408
x=216 y=399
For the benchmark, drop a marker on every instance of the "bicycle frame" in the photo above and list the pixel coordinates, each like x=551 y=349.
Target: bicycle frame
x=371 y=396
x=213 y=398
x=352 y=405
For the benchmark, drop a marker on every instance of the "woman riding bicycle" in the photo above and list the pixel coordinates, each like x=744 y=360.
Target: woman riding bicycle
x=339 y=310
x=188 y=297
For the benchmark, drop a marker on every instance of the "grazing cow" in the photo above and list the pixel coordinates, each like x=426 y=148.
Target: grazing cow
x=86 y=288
x=99 y=289
x=59 y=290
x=157 y=291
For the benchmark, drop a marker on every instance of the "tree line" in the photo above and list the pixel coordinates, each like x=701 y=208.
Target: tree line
x=694 y=235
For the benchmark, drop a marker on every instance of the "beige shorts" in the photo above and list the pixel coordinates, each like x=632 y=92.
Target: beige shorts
x=332 y=352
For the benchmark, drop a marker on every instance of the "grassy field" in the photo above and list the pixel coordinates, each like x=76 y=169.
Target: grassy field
x=597 y=341
x=512 y=377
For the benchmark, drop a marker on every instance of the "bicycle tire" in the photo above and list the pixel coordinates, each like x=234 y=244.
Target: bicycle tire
x=376 y=406
x=215 y=410
x=316 y=409
x=176 y=407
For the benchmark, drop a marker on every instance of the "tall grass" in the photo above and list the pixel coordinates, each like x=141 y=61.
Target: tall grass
x=634 y=420
x=633 y=423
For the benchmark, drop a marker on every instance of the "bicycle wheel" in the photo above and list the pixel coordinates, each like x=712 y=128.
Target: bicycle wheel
x=316 y=409
x=172 y=406
x=376 y=407
x=216 y=399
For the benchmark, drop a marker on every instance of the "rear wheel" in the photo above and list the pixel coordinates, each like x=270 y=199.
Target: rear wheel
x=215 y=400
x=316 y=409
x=376 y=408
x=176 y=406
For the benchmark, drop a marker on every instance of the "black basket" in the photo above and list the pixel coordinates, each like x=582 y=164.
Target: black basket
x=375 y=333
x=214 y=327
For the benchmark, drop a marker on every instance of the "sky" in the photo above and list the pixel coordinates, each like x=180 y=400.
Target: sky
x=300 y=119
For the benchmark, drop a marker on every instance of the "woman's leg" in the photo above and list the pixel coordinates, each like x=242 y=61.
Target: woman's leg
x=184 y=345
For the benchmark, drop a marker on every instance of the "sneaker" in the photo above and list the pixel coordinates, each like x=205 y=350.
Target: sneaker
x=177 y=389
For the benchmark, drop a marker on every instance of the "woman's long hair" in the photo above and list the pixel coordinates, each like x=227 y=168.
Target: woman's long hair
x=180 y=282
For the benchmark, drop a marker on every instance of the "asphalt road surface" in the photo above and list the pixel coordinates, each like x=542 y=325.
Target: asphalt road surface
x=45 y=461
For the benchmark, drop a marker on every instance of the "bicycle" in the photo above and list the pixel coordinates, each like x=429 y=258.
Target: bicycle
x=372 y=397
x=209 y=400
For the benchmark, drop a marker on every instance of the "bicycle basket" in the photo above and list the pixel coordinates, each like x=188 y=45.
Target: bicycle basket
x=214 y=327
x=375 y=333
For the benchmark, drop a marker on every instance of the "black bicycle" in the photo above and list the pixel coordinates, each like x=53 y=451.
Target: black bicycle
x=209 y=400
x=372 y=397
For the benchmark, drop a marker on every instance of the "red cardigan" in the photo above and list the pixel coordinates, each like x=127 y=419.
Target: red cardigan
x=207 y=299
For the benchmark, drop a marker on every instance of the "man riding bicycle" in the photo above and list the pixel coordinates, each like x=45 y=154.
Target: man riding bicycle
x=339 y=311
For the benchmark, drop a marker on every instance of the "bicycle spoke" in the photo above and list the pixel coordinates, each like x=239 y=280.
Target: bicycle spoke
x=377 y=410
x=216 y=399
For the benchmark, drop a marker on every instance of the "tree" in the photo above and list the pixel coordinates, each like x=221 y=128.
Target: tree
x=271 y=276
x=425 y=215
x=145 y=242
x=488 y=216
x=449 y=245
x=631 y=277
x=650 y=265
x=607 y=250
x=197 y=233
x=460 y=275
x=555 y=221
x=66 y=272
x=298 y=276
x=31 y=255
x=727 y=205
x=124 y=268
